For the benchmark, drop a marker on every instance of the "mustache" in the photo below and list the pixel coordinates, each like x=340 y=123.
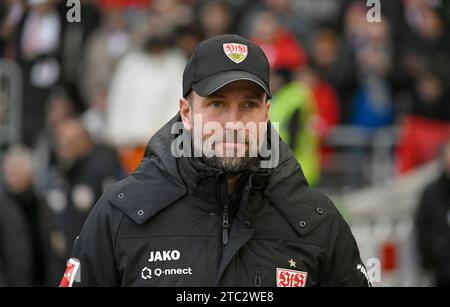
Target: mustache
x=229 y=137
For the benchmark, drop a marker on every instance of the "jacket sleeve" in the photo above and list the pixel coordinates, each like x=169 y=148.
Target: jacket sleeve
x=344 y=267
x=94 y=250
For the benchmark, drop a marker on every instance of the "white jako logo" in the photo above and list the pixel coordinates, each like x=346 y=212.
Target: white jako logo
x=164 y=255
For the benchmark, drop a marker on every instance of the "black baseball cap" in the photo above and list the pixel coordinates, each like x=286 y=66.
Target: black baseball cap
x=223 y=59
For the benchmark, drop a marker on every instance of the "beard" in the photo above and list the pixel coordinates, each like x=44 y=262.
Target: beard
x=231 y=165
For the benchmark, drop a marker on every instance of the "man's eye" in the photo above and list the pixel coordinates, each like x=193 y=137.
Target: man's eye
x=216 y=104
x=250 y=105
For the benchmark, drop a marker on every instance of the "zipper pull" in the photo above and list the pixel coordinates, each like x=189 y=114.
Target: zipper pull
x=258 y=280
x=225 y=225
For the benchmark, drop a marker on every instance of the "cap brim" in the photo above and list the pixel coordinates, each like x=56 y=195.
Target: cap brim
x=215 y=82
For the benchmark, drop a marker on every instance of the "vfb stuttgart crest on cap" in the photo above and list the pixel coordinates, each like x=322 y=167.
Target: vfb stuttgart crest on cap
x=236 y=52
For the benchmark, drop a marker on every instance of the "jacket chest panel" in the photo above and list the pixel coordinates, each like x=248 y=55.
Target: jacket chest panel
x=265 y=261
x=182 y=246
x=168 y=260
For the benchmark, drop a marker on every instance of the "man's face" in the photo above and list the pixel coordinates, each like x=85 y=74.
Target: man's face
x=18 y=174
x=72 y=142
x=240 y=111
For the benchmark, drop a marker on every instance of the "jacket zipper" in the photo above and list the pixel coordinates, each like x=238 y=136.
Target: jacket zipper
x=225 y=217
x=225 y=225
x=258 y=280
x=258 y=277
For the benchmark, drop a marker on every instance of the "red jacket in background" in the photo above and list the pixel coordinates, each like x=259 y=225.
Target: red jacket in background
x=284 y=51
x=420 y=142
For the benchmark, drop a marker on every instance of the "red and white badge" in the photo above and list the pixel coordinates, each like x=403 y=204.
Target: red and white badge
x=236 y=52
x=291 y=278
x=72 y=269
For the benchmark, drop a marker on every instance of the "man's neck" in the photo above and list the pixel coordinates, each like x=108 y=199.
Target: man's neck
x=232 y=181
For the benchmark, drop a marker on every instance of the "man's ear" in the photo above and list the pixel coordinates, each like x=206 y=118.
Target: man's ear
x=268 y=105
x=186 y=113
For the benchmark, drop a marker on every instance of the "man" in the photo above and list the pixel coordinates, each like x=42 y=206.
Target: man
x=433 y=226
x=27 y=256
x=224 y=218
x=84 y=170
x=131 y=117
x=38 y=41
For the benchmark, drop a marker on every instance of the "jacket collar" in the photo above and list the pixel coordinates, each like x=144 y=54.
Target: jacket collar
x=209 y=183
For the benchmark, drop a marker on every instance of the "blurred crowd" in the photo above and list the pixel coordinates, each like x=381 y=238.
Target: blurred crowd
x=95 y=91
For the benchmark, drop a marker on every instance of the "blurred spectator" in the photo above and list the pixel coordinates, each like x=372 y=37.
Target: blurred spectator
x=289 y=13
x=216 y=18
x=316 y=14
x=83 y=172
x=59 y=108
x=326 y=103
x=429 y=27
x=433 y=226
x=143 y=96
x=355 y=23
x=94 y=118
x=188 y=37
x=373 y=101
x=11 y=12
x=431 y=97
x=74 y=42
x=333 y=58
x=325 y=99
x=427 y=126
x=169 y=14
x=280 y=46
x=38 y=42
x=26 y=226
x=372 y=105
x=294 y=109
x=162 y=19
x=428 y=43
x=325 y=50
x=104 y=49
x=291 y=17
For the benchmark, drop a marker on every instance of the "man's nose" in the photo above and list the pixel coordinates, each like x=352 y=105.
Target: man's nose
x=234 y=126
x=234 y=116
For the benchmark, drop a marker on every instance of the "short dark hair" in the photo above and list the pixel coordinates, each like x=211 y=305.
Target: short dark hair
x=190 y=98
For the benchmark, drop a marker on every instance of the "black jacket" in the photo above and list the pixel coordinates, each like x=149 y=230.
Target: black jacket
x=26 y=255
x=87 y=177
x=172 y=223
x=433 y=229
